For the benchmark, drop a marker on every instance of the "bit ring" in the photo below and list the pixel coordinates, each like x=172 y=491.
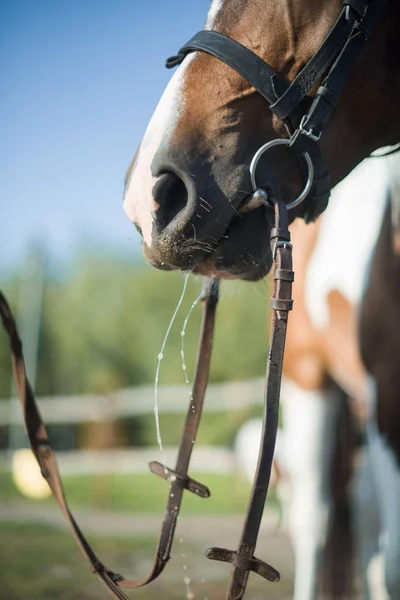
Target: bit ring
x=307 y=158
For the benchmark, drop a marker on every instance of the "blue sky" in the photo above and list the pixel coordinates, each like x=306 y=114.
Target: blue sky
x=80 y=80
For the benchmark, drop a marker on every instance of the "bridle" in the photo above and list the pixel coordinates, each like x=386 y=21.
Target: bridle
x=304 y=117
x=304 y=122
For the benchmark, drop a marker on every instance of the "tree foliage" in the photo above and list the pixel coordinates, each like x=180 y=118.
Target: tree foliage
x=103 y=326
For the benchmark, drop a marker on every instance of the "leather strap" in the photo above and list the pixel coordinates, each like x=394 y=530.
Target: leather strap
x=328 y=94
x=304 y=117
x=315 y=68
x=242 y=60
x=243 y=559
x=178 y=478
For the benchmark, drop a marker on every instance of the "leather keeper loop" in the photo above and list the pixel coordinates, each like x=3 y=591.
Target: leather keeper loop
x=284 y=275
x=357 y=5
x=278 y=304
x=282 y=234
x=329 y=95
x=97 y=567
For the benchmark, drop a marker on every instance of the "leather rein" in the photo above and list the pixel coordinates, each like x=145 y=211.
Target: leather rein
x=305 y=123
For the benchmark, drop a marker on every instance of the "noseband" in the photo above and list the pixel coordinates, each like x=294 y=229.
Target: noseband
x=304 y=117
x=305 y=124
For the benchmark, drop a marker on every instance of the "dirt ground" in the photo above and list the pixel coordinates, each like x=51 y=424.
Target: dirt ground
x=188 y=576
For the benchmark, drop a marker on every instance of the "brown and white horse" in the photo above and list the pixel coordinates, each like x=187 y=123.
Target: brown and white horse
x=190 y=174
x=339 y=307
x=187 y=183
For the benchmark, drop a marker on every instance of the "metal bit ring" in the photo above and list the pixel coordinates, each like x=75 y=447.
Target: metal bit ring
x=282 y=142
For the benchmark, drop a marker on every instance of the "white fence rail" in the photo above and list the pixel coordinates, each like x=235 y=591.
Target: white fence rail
x=137 y=401
x=206 y=459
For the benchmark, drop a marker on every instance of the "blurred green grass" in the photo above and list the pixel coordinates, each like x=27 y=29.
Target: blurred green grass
x=41 y=563
x=144 y=493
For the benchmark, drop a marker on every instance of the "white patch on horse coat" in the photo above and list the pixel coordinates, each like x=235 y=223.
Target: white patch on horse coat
x=215 y=8
x=139 y=203
x=247 y=447
x=376 y=578
x=347 y=237
x=309 y=424
x=386 y=480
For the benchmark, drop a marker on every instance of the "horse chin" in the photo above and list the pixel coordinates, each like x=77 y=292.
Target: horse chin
x=242 y=252
x=210 y=268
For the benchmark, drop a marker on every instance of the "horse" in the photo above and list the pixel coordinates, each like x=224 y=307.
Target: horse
x=327 y=388
x=328 y=71
x=189 y=178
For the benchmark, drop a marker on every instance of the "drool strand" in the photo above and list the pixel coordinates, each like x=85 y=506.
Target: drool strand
x=160 y=356
x=183 y=333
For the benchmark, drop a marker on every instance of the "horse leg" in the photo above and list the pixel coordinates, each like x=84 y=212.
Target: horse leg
x=367 y=527
x=309 y=422
x=387 y=479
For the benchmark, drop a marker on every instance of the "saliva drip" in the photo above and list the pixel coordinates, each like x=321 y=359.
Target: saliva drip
x=183 y=333
x=160 y=356
x=186 y=580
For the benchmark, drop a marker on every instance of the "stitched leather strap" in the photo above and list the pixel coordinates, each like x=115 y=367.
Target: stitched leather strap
x=302 y=116
x=243 y=560
x=178 y=478
x=242 y=60
x=315 y=68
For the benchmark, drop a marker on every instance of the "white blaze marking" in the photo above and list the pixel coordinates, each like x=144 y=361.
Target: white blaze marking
x=347 y=237
x=215 y=8
x=138 y=202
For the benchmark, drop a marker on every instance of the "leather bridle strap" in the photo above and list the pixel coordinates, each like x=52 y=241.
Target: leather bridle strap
x=354 y=23
x=243 y=559
x=304 y=116
x=178 y=478
x=327 y=94
x=242 y=60
x=322 y=60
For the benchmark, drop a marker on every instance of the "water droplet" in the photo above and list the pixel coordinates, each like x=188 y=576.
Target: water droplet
x=182 y=333
x=184 y=567
x=184 y=367
x=186 y=580
x=172 y=478
x=160 y=355
x=190 y=596
x=172 y=495
x=181 y=540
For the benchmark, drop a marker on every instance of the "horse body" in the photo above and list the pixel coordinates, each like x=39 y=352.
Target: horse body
x=190 y=179
x=188 y=191
x=343 y=307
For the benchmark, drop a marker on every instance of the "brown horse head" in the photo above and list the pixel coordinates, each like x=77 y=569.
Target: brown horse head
x=188 y=187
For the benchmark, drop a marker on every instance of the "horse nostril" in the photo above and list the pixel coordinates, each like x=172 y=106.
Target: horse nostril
x=171 y=196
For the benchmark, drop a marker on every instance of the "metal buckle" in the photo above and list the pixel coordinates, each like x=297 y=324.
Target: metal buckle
x=283 y=142
x=280 y=244
x=308 y=132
